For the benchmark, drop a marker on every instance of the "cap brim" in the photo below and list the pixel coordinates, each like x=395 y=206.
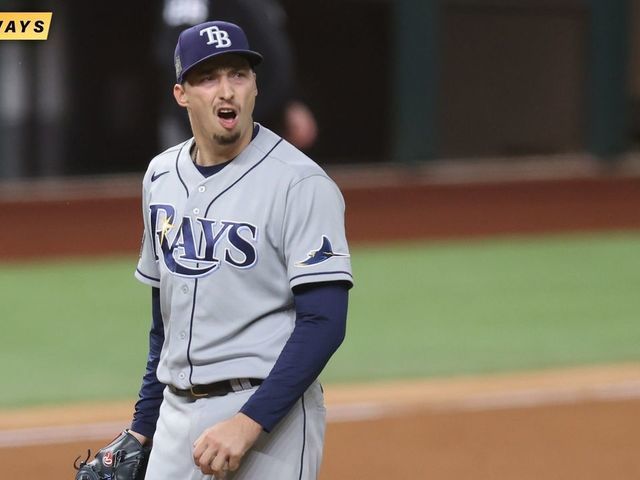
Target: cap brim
x=254 y=58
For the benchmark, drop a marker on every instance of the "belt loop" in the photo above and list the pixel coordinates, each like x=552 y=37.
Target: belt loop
x=235 y=385
x=246 y=384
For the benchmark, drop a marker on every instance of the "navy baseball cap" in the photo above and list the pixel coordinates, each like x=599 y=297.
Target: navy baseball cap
x=206 y=40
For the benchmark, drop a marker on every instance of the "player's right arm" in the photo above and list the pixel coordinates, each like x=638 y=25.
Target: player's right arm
x=146 y=414
x=147 y=407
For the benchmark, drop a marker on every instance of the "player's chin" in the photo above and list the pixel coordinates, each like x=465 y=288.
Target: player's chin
x=227 y=138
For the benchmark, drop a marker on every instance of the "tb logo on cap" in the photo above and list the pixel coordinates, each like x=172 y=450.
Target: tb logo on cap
x=217 y=37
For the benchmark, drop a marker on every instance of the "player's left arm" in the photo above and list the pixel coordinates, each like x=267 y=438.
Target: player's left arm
x=321 y=319
x=321 y=315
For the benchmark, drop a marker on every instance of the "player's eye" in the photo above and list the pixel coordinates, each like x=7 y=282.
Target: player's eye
x=206 y=76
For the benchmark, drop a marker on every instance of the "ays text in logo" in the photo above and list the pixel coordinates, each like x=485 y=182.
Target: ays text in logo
x=25 y=25
x=196 y=249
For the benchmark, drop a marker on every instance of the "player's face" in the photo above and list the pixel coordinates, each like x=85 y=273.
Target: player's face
x=220 y=97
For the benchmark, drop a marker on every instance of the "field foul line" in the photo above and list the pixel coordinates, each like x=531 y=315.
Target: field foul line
x=358 y=412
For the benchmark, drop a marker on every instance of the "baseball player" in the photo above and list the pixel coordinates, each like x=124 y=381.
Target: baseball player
x=244 y=248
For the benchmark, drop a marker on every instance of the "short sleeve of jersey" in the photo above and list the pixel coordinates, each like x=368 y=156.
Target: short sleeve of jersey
x=147 y=270
x=315 y=244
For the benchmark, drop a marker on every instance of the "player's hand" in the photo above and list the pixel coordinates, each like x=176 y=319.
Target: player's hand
x=221 y=447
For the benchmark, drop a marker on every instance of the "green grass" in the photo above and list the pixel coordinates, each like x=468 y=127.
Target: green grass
x=76 y=330
x=72 y=330
x=490 y=306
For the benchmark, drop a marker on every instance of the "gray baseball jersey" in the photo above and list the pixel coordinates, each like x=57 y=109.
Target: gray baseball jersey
x=226 y=251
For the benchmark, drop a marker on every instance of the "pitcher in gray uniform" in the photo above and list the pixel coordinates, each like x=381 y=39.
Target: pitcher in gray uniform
x=244 y=247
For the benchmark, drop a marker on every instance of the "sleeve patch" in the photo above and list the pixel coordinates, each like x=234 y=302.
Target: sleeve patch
x=322 y=254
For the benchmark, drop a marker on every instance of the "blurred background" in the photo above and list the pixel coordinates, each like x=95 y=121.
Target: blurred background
x=386 y=80
x=489 y=156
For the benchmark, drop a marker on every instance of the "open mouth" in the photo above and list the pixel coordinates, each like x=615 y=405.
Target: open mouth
x=227 y=114
x=227 y=117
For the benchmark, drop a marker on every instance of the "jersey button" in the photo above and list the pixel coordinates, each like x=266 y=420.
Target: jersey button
x=202 y=188
x=183 y=335
x=185 y=289
x=196 y=211
x=182 y=375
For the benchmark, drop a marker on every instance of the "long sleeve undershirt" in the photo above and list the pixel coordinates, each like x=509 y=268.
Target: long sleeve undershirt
x=321 y=313
x=150 y=396
x=321 y=317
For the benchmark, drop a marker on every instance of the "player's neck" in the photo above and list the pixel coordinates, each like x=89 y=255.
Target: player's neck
x=207 y=152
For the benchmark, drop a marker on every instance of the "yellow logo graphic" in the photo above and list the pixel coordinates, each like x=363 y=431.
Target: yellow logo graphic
x=25 y=25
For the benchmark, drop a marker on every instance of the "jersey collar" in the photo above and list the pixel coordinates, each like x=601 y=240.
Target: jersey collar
x=255 y=152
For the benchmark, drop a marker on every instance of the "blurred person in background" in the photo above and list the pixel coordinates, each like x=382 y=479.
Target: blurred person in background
x=278 y=106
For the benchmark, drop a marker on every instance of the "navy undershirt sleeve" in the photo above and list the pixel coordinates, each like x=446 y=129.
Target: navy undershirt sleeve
x=150 y=395
x=321 y=317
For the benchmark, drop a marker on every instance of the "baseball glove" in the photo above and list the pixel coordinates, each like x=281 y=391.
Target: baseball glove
x=123 y=459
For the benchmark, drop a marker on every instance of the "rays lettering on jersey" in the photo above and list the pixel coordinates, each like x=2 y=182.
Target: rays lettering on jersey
x=183 y=256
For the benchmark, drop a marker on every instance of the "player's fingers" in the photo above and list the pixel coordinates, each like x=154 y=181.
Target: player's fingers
x=206 y=469
x=207 y=458
x=196 y=456
x=204 y=457
x=234 y=462
x=200 y=439
x=220 y=465
x=198 y=449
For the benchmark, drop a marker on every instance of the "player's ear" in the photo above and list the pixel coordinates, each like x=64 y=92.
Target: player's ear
x=180 y=95
x=255 y=86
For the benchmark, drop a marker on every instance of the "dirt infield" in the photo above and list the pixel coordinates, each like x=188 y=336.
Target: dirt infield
x=576 y=423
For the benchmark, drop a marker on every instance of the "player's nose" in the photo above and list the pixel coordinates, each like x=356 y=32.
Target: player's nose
x=226 y=88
